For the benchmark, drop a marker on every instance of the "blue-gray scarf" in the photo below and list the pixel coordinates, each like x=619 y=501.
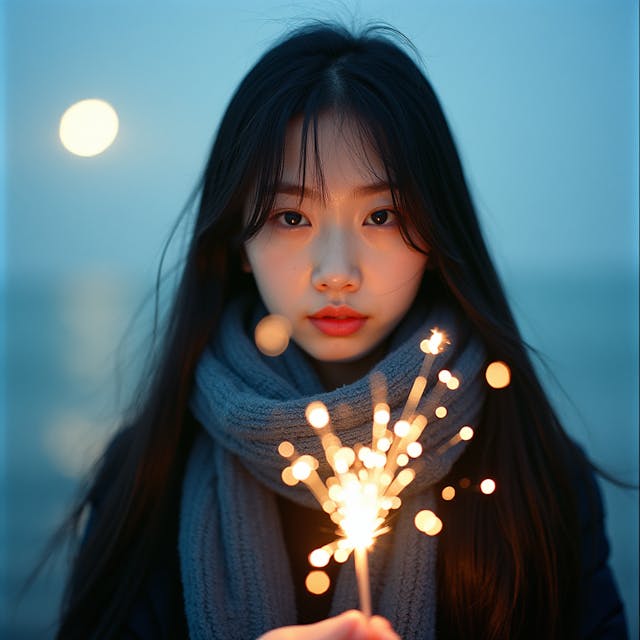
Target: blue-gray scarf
x=234 y=564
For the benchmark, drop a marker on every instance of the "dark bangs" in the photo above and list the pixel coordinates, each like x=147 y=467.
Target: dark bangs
x=369 y=86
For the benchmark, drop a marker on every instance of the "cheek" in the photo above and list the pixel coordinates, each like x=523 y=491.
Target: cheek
x=276 y=273
x=398 y=271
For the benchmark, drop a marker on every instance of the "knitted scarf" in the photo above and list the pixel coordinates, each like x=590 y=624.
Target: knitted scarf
x=234 y=565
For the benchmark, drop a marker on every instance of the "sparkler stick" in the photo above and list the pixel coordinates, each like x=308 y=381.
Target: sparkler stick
x=362 y=575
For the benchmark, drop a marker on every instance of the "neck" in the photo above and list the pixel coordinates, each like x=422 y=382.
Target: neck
x=333 y=375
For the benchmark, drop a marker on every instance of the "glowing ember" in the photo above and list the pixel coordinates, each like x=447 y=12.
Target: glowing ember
x=402 y=460
x=301 y=470
x=448 y=493
x=381 y=414
x=453 y=383
x=317 y=415
x=402 y=428
x=286 y=449
x=434 y=344
x=320 y=557
x=428 y=522
x=414 y=449
x=498 y=375
x=287 y=477
x=317 y=582
x=487 y=486
x=466 y=433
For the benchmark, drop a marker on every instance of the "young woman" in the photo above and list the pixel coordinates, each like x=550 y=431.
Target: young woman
x=334 y=196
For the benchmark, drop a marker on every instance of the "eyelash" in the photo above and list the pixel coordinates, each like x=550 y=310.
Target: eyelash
x=281 y=218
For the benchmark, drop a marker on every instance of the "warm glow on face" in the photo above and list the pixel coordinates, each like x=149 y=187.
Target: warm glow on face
x=317 y=582
x=333 y=258
x=498 y=375
x=317 y=415
x=272 y=335
x=88 y=127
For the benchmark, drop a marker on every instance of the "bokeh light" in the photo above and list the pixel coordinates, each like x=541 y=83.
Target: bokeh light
x=319 y=557
x=441 y=412
x=88 y=127
x=317 y=415
x=466 y=433
x=498 y=375
x=428 y=522
x=487 y=486
x=317 y=582
x=272 y=335
x=448 y=493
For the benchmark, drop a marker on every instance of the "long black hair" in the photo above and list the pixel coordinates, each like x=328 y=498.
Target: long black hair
x=504 y=562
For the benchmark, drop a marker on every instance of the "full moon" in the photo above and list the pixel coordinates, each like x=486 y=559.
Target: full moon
x=88 y=127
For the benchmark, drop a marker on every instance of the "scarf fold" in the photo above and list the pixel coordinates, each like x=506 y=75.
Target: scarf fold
x=234 y=564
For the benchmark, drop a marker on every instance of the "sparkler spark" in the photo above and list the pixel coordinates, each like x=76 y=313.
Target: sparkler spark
x=368 y=479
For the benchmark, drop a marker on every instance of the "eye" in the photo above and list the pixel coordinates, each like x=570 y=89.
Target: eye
x=292 y=219
x=381 y=217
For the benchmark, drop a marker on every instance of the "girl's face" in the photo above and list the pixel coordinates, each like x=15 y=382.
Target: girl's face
x=337 y=267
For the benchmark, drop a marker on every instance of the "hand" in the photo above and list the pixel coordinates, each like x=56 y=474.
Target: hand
x=351 y=625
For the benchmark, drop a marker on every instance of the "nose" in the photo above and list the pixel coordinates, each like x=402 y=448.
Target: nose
x=335 y=264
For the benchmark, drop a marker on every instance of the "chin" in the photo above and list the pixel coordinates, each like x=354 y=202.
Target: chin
x=340 y=355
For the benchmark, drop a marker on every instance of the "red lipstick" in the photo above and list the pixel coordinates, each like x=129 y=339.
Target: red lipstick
x=337 y=321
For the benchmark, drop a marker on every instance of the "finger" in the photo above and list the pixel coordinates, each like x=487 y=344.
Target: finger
x=380 y=629
x=343 y=627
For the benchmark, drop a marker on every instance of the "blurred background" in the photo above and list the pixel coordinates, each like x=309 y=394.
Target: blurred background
x=543 y=101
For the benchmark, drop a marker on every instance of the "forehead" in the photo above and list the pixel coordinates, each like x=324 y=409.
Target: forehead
x=335 y=153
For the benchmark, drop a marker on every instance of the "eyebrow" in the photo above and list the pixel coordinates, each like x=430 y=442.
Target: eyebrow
x=292 y=189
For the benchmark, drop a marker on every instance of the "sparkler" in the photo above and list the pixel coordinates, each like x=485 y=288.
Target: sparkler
x=367 y=480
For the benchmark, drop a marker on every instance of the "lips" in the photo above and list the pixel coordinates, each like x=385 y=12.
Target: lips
x=338 y=321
